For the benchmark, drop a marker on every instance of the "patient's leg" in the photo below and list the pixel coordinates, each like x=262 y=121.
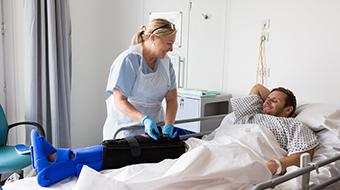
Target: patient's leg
x=139 y=149
x=56 y=164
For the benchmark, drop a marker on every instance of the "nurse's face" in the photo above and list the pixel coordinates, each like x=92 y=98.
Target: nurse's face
x=164 y=44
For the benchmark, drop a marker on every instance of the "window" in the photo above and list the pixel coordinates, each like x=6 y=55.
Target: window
x=2 y=66
x=12 y=57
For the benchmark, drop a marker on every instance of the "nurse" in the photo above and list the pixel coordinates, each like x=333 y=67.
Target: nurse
x=140 y=78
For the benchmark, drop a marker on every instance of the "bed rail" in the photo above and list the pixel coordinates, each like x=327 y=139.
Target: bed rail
x=161 y=123
x=326 y=183
x=311 y=166
x=305 y=160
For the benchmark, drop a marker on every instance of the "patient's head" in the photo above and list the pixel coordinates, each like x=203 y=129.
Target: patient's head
x=280 y=102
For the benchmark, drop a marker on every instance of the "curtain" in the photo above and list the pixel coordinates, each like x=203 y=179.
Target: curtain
x=48 y=67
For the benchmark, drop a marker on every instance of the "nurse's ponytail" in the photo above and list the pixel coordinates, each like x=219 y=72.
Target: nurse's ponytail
x=139 y=36
x=158 y=26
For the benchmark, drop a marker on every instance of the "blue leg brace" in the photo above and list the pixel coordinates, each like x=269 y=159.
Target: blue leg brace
x=64 y=166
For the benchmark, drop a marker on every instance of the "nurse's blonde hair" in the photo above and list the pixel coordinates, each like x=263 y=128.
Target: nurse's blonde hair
x=160 y=27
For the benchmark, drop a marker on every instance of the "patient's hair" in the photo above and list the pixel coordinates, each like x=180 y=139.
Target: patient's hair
x=290 y=98
x=158 y=26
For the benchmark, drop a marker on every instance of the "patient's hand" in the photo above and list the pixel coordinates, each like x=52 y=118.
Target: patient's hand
x=273 y=166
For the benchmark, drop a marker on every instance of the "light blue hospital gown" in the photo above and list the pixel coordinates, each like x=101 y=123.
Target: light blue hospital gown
x=292 y=135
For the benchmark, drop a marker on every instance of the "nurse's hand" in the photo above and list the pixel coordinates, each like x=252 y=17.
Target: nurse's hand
x=150 y=127
x=168 y=130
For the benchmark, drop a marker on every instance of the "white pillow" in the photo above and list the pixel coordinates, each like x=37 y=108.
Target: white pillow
x=314 y=115
x=332 y=122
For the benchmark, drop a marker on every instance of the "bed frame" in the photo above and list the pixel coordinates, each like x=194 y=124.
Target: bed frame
x=161 y=123
x=304 y=171
x=306 y=166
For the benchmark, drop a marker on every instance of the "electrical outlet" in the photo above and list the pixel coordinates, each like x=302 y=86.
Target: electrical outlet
x=265 y=29
x=266 y=24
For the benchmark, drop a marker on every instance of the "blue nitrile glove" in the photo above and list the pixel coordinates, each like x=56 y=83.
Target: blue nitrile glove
x=150 y=127
x=168 y=130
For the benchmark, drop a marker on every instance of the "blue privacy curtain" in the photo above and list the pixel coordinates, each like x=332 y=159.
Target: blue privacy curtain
x=48 y=67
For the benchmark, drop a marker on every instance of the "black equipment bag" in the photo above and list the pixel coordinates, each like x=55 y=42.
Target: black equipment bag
x=140 y=149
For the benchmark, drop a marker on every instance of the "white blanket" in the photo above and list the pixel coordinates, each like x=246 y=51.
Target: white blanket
x=233 y=157
x=230 y=158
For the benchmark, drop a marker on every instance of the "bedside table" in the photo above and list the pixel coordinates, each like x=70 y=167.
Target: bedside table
x=190 y=106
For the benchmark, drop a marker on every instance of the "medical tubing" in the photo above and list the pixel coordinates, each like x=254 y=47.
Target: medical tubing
x=161 y=123
x=261 y=61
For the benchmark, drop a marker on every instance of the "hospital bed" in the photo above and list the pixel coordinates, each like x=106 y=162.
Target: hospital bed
x=323 y=172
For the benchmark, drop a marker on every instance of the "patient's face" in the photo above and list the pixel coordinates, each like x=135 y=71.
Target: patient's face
x=275 y=104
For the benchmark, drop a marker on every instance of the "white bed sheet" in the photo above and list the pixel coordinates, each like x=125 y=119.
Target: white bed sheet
x=202 y=167
x=229 y=160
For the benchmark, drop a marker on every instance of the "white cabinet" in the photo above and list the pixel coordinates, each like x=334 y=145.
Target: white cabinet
x=196 y=107
x=199 y=61
x=206 y=42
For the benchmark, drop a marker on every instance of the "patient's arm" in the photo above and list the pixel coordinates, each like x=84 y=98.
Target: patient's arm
x=293 y=159
x=260 y=90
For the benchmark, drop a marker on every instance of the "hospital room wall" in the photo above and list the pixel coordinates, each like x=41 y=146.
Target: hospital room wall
x=302 y=52
x=99 y=34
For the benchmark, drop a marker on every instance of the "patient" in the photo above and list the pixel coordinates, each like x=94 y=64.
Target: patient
x=272 y=110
